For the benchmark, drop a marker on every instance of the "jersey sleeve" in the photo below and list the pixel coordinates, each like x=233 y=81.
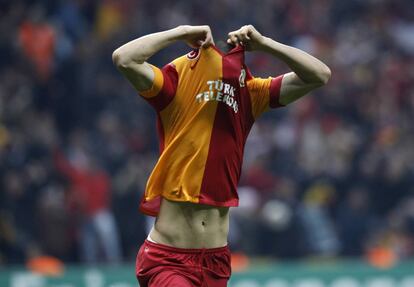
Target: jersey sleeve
x=163 y=87
x=264 y=93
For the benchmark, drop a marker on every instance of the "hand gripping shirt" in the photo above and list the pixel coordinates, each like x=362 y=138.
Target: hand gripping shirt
x=206 y=103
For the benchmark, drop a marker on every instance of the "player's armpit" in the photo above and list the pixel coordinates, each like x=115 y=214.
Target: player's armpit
x=293 y=88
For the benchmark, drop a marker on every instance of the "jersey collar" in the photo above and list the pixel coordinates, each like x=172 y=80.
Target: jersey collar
x=238 y=48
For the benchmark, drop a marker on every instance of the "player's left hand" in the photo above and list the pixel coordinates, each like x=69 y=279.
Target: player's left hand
x=247 y=36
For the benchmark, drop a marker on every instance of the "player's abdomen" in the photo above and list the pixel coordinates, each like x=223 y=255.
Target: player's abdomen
x=189 y=225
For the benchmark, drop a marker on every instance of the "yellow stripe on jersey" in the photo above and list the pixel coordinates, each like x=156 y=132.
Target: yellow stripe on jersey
x=259 y=90
x=157 y=84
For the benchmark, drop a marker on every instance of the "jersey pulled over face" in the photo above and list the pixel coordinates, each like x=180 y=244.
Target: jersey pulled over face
x=206 y=103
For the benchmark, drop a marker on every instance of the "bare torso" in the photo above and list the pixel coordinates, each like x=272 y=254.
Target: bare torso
x=189 y=225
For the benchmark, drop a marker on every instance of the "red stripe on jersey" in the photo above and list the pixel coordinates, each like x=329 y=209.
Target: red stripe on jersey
x=275 y=92
x=230 y=130
x=160 y=131
x=165 y=96
x=248 y=73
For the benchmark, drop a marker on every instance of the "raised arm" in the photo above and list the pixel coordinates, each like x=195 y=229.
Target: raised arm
x=308 y=72
x=131 y=58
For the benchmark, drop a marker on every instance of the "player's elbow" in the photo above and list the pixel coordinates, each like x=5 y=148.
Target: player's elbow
x=324 y=75
x=119 y=59
x=124 y=60
x=318 y=77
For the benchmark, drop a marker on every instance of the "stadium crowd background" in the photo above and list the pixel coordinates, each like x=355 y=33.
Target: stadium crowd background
x=329 y=176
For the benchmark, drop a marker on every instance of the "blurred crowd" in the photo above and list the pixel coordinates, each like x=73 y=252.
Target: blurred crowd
x=332 y=175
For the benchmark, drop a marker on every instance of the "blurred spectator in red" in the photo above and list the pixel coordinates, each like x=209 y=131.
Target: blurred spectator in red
x=89 y=196
x=37 y=40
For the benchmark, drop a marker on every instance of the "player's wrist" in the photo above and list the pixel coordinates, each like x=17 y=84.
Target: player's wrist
x=268 y=45
x=262 y=43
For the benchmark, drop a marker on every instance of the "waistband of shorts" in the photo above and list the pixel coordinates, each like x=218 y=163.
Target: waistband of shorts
x=186 y=250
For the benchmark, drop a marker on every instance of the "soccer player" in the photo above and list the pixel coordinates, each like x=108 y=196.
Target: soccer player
x=206 y=103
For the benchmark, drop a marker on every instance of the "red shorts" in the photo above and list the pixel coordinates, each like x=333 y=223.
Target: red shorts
x=160 y=265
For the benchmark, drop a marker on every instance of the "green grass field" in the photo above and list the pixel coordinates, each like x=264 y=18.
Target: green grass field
x=314 y=274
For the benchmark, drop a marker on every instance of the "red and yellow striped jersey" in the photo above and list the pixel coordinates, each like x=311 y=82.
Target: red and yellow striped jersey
x=206 y=102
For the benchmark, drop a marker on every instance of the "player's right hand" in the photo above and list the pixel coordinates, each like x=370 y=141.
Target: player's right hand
x=197 y=36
